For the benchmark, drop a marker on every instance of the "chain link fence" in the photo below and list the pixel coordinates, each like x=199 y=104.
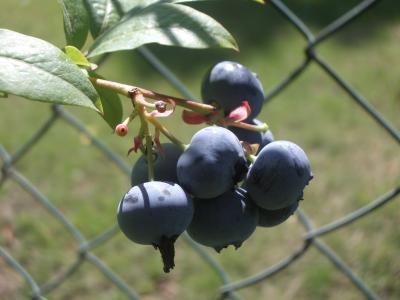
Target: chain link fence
x=228 y=289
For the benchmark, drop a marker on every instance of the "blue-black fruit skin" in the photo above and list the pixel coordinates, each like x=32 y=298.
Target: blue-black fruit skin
x=164 y=166
x=269 y=218
x=228 y=219
x=212 y=164
x=253 y=137
x=154 y=209
x=229 y=83
x=279 y=175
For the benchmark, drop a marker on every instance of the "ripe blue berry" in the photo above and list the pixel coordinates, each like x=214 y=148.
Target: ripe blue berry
x=155 y=213
x=278 y=176
x=228 y=219
x=253 y=137
x=213 y=163
x=269 y=218
x=164 y=165
x=228 y=84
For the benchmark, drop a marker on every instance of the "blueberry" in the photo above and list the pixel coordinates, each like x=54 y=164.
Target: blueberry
x=213 y=163
x=278 y=176
x=164 y=165
x=156 y=213
x=228 y=219
x=269 y=218
x=228 y=84
x=253 y=137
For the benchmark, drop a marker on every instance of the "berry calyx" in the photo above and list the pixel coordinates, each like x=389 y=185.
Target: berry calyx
x=161 y=106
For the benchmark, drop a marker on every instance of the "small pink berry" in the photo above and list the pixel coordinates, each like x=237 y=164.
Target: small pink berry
x=121 y=129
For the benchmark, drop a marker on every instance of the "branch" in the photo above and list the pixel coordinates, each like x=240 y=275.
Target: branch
x=125 y=89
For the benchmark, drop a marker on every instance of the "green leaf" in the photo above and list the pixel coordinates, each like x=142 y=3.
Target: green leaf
x=129 y=4
x=76 y=22
x=37 y=70
x=166 y=24
x=3 y=95
x=103 y=14
x=77 y=56
x=112 y=106
x=106 y=13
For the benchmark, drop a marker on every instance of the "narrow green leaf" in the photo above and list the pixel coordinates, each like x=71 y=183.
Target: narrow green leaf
x=103 y=14
x=166 y=24
x=112 y=106
x=3 y=95
x=37 y=70
x=77 y=56
x=76 y=22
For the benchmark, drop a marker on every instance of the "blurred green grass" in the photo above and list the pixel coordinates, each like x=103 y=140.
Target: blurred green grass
x=354 y=161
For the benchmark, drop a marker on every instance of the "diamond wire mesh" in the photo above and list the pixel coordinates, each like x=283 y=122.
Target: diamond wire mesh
x=229 y=288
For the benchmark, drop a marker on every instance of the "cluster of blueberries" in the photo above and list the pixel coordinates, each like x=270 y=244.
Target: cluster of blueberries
x=210 y=189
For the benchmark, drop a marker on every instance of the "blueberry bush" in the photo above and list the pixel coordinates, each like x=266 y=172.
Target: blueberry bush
x=158 y=207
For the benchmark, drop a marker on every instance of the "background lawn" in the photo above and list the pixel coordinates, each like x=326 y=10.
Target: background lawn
x=354 y=160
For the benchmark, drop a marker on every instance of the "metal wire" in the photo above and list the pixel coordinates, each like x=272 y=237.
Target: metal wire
x=229 y=288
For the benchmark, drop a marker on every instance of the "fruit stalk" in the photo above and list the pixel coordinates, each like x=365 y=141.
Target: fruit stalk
x=166 y=132
x=130 y=118
x=250 y=157
x=125 y=90
x=138 y=101
x=258 y=128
